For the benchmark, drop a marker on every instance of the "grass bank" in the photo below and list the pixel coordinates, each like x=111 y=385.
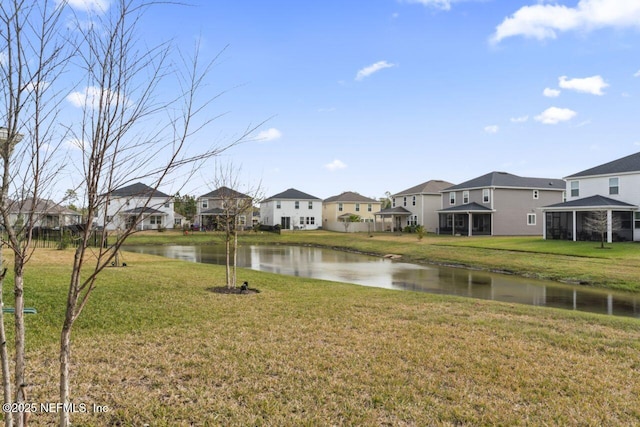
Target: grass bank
x=155 y=347
x=616 y=267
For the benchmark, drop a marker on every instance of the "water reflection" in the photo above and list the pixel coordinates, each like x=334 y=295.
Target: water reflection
x=373 y=271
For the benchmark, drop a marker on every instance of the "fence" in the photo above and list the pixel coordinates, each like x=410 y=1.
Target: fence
x=54 y=238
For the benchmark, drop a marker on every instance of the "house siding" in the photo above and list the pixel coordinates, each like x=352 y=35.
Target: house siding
x=270 y=215
x=512 y=207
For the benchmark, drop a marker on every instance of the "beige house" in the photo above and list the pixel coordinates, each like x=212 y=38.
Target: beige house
x=338 y=212
x=44 y=213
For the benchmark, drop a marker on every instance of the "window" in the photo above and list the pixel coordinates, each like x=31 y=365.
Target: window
x=575 y=188
x=310 y=205
x=536 y=194
x=278 y=204
x=311 y=220
x=486 y=195
x=413 y=202
x=465 y=197
x=109 y=217
x=339 y=207
x=452 y=198
x=404 y=201
x=636 y=218
x=613 y=186
x=155 y=220
x=242 y=220
x=393 y=202
x=531 y=219
x=167 y=205
x=413 y=220
x=357 y=207
x=297 y=204
x=369 y=207
x=301 y=220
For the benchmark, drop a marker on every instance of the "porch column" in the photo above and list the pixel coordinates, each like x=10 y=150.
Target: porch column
x=574 y=226
x=469 y=233
x=609 y=226
x=544 y=225
x=453 y=224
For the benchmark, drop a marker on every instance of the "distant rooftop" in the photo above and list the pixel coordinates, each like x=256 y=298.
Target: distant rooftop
x=507 y=180
x=629 y=163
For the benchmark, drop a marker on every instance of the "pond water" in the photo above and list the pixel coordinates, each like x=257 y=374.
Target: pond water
x=373 y=271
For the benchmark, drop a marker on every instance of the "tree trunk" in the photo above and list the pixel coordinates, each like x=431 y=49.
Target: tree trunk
x=65 y=360
x=19 y=380
x=4 y=355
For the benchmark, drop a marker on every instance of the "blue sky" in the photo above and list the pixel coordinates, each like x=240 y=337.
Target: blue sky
x=381 y=95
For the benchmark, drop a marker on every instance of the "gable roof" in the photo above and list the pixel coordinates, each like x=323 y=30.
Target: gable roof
x=39 y=207
x=629 y=163
x=469 y=207
x=507 y=180
x=137 y=190
x=225 y=192
x=596 y=201
x=398 y=211
x=350 y=196
x=434 y=186
x=292 y=194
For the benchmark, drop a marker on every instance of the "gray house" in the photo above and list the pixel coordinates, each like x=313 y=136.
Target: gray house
x=498 y=204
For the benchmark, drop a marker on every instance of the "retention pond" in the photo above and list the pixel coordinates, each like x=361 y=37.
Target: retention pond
x=378 y=272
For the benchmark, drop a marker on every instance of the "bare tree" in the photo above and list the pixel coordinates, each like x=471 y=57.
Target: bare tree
x=234 y=209
x=598 y=222
x=32 y=58
x=124 y=119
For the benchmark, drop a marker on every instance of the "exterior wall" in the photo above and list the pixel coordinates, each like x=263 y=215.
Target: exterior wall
x=423 y=210
x=331 y=212
x=511 y=205
x=120 y=204
x=271 y=215
x=514 y=205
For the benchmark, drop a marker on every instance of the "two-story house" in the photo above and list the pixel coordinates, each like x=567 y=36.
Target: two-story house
x=291 y=210
x=337 y=210
x=136 y=205
x=418 y=205
x=498 y=204
x=43 y=212
x=612 y=187
x=222 y=205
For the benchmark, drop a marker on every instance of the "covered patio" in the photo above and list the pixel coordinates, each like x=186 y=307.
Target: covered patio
x=471 y=219
x=394 y=215
x=145 y=218
x=570 y=220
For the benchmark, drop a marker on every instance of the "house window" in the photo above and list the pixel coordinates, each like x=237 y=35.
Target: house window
x=531 y=219
x=613 y=186
x=167 y=205
x=536 y=194
x=339 y=207
x=242 y=220
x=310 y=205
x=636 y=219
x=404 y=201
x=177 y=221
x=369 y=207
x=465 y=197
x=278 y=204
x=297 y=204
x=575 y=188
x=357 y=207
x=452 y=198
x=393 y=202
x=486 y=195
x=413 y=220
x=413 y=202
x=109 y=218
x=155 y=220
x=205 y=204
x=311 y=220
x=301 y=220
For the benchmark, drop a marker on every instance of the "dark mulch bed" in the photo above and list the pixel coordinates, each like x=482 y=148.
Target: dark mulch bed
x=233 y=291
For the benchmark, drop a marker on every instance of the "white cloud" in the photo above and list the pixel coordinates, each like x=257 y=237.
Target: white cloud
x=438 y=4
x=92 y=95
x=335 y=165
x=373 y=68
x=491 y=129
x=269 y=134
x=592 y=85
x=544 y=21
x=637 y=74
x=99 y=6
x=551 y=93
x=555 y=115
x=520 y=119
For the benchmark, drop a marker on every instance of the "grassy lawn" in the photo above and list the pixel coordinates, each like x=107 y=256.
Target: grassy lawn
x=156 y=347
x=616 y=267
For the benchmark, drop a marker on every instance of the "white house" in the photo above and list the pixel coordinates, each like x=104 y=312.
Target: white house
x=137 y=204
x=292 y=210
x=612 y=187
